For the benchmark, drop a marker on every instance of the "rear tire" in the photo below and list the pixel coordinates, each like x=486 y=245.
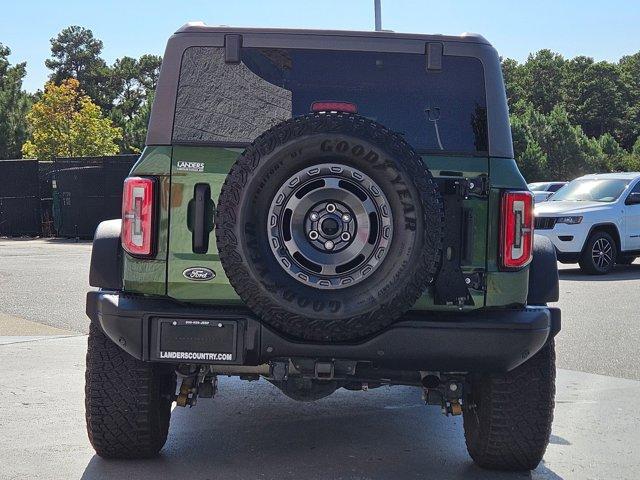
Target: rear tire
x=127 y=401
x=507 y=417
x=599 y=255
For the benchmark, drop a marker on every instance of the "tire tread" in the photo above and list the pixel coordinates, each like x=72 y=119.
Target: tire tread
x=127 y=416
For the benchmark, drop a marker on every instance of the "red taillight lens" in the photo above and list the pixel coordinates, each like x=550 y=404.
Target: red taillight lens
x=137 y=216
x=516 y=231
x=346 y=107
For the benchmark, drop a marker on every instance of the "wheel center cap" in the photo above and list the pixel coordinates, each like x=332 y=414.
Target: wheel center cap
x=330 y=227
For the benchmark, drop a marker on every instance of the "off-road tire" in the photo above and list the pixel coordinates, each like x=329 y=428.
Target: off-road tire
x=507 y=417
x=304 y=311
x=128 y=402
x=587 y=263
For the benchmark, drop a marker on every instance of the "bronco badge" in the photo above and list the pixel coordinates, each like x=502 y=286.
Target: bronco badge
x=199 y=274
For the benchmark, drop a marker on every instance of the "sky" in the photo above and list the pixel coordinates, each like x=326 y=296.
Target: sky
x=605 y=30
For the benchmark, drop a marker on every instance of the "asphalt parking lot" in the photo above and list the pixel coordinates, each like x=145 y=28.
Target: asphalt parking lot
x=250 y=430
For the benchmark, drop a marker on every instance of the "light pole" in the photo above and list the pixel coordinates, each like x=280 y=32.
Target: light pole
x=376 y=6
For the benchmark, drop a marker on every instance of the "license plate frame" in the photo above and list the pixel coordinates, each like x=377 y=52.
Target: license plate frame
x=196 y=340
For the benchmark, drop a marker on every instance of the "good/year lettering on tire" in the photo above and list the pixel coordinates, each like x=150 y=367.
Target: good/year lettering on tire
x=329 y=227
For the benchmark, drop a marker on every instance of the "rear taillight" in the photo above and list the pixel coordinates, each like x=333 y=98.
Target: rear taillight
x=516 y=230
x=137 y=216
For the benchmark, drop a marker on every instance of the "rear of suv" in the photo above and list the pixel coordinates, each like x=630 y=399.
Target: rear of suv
x=325 y=210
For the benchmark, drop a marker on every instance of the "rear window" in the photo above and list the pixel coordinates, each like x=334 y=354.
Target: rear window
x=436 y=111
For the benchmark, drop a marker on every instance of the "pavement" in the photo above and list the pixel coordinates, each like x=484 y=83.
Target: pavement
x=251 y=430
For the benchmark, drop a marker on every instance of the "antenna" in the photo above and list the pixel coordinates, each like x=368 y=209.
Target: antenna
x=376 y=6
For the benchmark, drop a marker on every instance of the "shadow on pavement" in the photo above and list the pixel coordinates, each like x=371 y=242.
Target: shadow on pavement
x=620 y=272
x=259 y=433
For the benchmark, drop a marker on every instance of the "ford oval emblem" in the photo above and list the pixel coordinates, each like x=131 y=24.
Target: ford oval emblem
x=199 y=274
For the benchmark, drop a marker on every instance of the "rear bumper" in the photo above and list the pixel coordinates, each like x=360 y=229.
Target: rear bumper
x=484 y=341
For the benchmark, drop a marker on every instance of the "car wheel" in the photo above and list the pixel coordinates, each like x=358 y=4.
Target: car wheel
x=330 y=227
x=599 y=255
x=507 y=417
x=128 y=402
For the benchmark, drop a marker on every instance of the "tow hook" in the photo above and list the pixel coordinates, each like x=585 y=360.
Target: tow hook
x=446 y=393
x=194 y=383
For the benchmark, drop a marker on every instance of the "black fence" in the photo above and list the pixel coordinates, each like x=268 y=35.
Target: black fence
x=19 y=198
x=67 y=197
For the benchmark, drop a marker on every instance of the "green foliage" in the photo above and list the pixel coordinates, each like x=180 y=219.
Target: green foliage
x=66 y=123
x=636 y=147
x=76 y=54
x=576 y=116
x=541 y=79
x=14 y=105
x=135 y=80
x=122 y=90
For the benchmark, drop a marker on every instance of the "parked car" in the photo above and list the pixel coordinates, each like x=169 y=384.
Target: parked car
x=594 y=220
x=295 y=216
x=543 y=190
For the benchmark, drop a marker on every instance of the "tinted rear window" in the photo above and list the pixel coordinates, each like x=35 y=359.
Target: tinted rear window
x=442 y=111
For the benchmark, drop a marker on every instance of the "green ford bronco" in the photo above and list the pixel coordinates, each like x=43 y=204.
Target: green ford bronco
x=325 y=210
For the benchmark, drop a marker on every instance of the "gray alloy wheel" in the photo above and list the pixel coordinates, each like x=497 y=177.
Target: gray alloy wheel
x=602 y=253
x=329 y=226
x=599 y=255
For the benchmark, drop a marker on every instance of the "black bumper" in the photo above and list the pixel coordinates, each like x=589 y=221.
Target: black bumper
x=483 y=341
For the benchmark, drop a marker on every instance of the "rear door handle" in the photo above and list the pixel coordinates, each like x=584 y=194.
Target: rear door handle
x=200 y=233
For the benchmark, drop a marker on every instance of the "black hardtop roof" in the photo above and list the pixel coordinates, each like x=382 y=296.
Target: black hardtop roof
x=197 y=34
x=199 y=27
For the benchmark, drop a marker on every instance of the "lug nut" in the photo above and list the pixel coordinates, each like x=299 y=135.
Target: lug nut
x=314 y=216
x=346 y=217
x=345 y=236
x=328 y=245
x=313 y=235
x=331 y=207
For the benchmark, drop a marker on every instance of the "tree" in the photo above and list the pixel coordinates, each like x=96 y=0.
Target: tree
x=542 y=79
x=636 y=147
x=149 y=68
x=549 y=147
x=14 y=105
x=66 y=123
x=630 y=74
x=512 y=74
x=76 y=54
x=593 y=96
x=135 y=80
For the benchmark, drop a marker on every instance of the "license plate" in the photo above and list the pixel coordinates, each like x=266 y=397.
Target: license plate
x=198 y=340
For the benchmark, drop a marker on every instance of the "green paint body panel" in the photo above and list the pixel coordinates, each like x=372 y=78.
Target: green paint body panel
x=149 y=276
x=217 y=163
x=163 y=275
x=503 y=288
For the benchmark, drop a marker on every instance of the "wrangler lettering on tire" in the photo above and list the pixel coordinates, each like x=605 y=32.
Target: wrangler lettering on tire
x=329 y=227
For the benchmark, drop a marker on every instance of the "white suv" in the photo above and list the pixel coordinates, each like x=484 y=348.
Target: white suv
x=594 y=220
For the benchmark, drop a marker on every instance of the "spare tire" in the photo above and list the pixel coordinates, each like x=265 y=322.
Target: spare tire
x=329 y=227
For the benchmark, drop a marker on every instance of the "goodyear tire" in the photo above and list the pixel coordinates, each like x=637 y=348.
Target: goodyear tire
x=127 y=401
x=507 y=417
x=329 y=227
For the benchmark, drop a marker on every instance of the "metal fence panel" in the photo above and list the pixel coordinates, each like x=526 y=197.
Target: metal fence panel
x=19 y=198
x=87 y=191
